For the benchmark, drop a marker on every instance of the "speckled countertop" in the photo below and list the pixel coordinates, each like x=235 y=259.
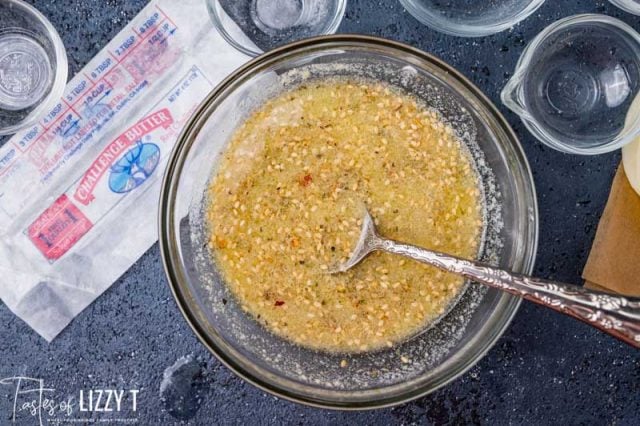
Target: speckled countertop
x=545 y=369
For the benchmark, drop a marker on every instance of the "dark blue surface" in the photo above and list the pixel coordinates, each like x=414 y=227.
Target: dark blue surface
x=546 y=369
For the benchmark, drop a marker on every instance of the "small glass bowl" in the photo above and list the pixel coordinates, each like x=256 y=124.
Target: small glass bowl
x=471 y=18
x=575 y=83
x=374 y=379
x=256 y=26
x=631 y=6
x=33 y=66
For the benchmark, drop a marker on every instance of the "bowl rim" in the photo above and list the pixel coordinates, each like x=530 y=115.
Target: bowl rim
x=507 y=303
x=626 y=5
x=61 y=72
x=446 y=26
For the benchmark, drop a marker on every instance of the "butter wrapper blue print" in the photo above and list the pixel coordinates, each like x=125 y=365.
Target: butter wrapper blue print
x=79 y=191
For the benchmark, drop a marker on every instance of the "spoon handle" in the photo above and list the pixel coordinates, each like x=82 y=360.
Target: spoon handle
x=615 y=315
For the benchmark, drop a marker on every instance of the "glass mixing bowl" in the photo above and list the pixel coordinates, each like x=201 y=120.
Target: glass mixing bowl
x=471 y=18
x=415 y=367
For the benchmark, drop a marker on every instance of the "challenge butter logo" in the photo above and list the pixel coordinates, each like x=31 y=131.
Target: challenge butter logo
x=127 y=161
x=132 y=168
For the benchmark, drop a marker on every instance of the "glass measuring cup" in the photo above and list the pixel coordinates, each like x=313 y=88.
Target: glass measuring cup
x=33 y=66
x=575 y=83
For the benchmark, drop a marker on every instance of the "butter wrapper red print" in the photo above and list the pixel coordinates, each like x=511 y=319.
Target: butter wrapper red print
x=79 y=190
x=58 y=228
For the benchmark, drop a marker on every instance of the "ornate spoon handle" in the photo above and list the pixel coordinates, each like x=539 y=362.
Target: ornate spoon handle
x=616 y=315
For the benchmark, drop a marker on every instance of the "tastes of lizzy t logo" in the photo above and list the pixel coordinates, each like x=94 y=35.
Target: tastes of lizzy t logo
x=34 y=403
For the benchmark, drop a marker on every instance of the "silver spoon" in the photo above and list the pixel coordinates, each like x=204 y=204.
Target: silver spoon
x=616 y=315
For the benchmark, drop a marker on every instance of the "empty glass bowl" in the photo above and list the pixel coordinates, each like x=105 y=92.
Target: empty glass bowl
x=631 y=6
x=575 y=83
x=256 y=26
x=33 y=66
x=471 y=18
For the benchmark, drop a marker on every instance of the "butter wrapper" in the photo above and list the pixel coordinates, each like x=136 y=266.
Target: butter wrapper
x=79 y=190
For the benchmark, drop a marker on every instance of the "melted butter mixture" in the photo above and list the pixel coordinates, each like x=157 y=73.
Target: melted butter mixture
x=286 y=206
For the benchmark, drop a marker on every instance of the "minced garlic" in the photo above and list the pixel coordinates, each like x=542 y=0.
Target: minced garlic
x=286 y=207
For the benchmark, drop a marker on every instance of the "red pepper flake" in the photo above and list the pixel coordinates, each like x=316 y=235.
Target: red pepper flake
x=305 y=180
x=279 y=302
x=221 y=242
